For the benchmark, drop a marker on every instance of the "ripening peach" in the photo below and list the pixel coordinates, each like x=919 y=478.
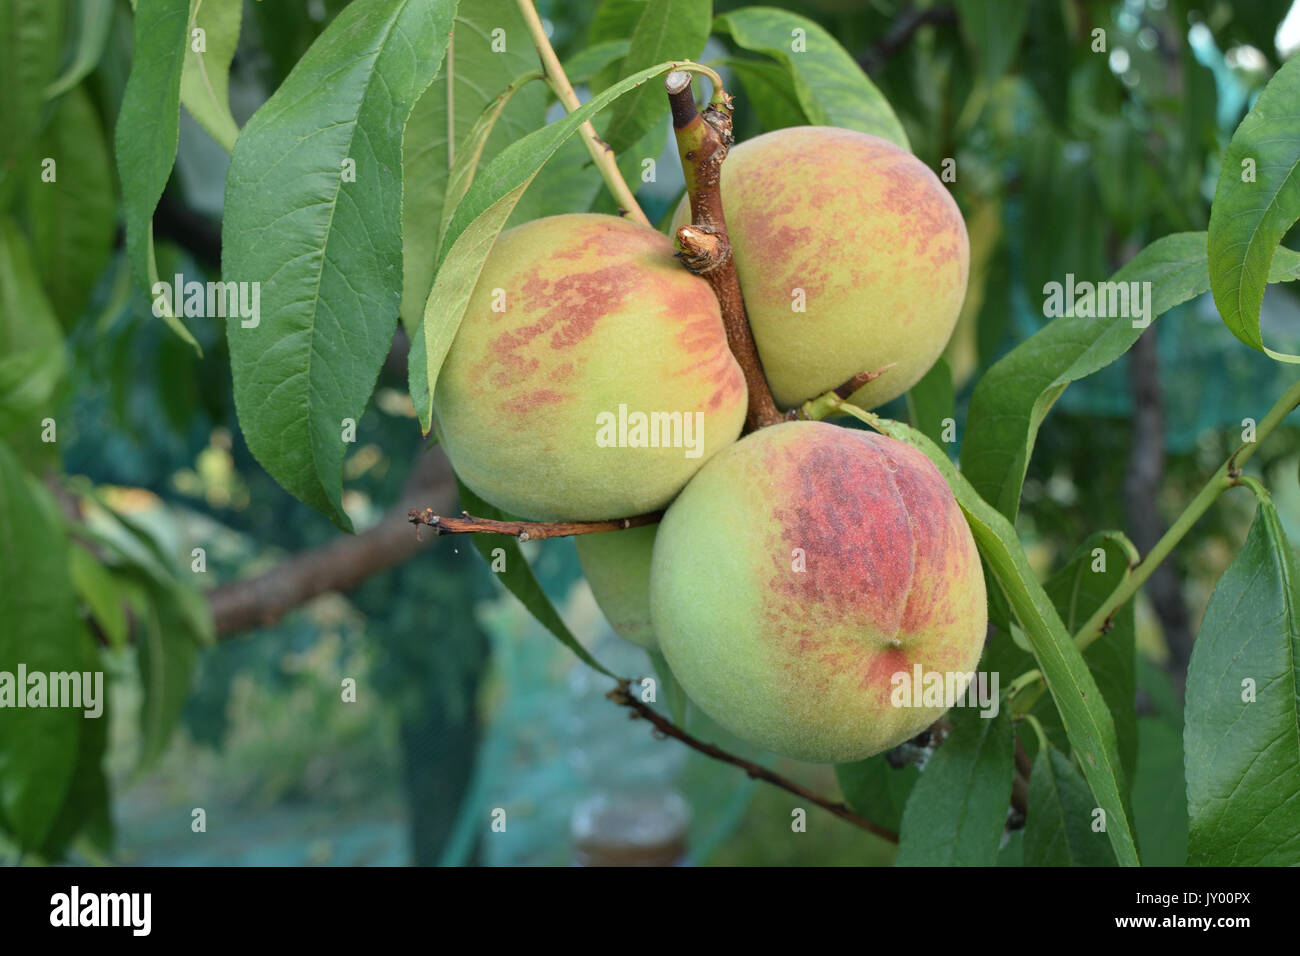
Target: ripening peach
x=799 y=572
x=590 y=377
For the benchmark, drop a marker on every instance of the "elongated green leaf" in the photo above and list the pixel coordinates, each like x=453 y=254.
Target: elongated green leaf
x=96 y=587
x=958 y=808
x=167 y=652
x=474 y=228
x=1159 y=802
x=42 y=636
x=666 y=30
x=1241 y=737
x=877 y=791
x=313 y=216
x=1091 y=575
x=73 y=217
x=440 y=134
x=32 y=359
x=148 y=123
x=93 y=19
x=205 y=78
x=993 y=30
x=769 y=88
x=1060 y=815
x=519 y=579
x=1256 y=202
x=584 y=64
x=30 y=44
x=930 y=402
x=85 y=809
x=831 y=87
x=1015 y=395
x=1088 y=722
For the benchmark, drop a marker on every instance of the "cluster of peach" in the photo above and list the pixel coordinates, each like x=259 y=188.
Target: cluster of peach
x=798 y=568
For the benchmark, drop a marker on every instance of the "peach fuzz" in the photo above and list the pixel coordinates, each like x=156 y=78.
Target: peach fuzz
x=867 y=235
x=800 y=570
x=573 y=316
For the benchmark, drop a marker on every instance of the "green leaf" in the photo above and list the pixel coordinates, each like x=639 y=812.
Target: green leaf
x=1016 y=393
x=149 y=120
x=877 y=791
x=586 y=63
x=167 y=652
x=93 y=19
x=1059 y=817
x=665 y=30
x=931 y=401
x=482 y=118
x=32 y=358
x=85 y=811
x=1088 y=723
x=326 y=251
x=770 y=90
x=30 y=44
x=477 y=221
x=96 y=587
x=958 y=808
x=1077 y=590
x=1241 y=737
x=205 y=78
x=38 y=746
x=1159 y=802
x=73 y=218
x=993 y=30
x=671 y=692
x=518 y=577
x=831 y=87
x=1249 y=219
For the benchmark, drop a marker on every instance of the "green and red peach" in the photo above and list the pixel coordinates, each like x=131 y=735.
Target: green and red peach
x=862 y=237
x=573 y=316
x=617 y=566
x=800 y=570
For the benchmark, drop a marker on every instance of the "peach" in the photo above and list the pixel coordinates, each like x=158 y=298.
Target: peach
x=799 y=572
x=590 y=378
x=852 y=256
x=617 y=566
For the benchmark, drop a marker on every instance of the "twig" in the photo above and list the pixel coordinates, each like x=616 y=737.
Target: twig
x=600 y=152
x=703 y=140
x=340 y=565
x=623 y=696
x=524 y=530
x=900 y=33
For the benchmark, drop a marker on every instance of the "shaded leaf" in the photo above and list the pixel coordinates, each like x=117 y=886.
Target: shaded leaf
x=325 y=251
x=1241 y=736
x=1249 y=219
x=875 y=790
x=1059 y=817
x=30 y=44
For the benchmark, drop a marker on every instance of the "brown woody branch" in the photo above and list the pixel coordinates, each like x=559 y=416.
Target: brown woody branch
x=703 y=140
x=340 y=565
x=524 y=530
x=622 y=695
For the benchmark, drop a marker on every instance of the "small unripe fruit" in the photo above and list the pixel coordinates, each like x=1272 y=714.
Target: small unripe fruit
x=862 y=237
x=617 y=566
x=803 y=568
x=574 y=316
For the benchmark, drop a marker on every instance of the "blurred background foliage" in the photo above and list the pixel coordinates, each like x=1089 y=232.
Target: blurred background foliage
x=1068 y=160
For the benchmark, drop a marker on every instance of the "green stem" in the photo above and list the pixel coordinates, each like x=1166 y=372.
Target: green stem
x=1228 y=475
x=600 y=152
